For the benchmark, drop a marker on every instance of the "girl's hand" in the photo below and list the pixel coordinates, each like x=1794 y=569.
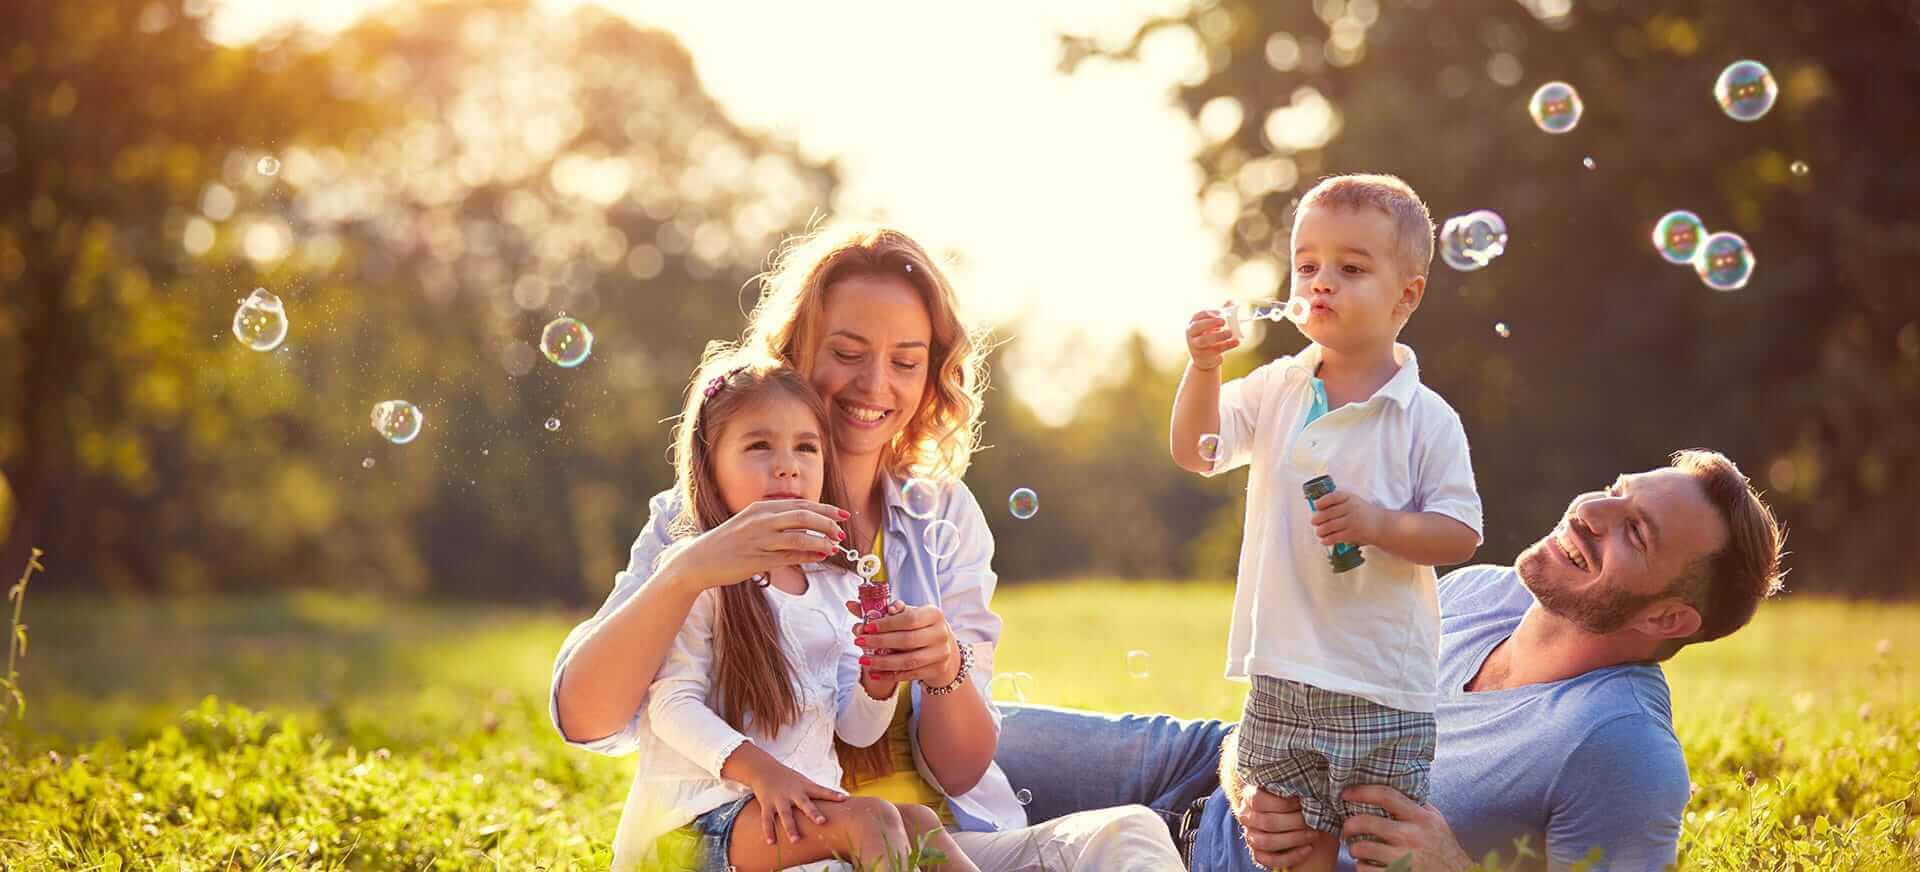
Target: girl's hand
x=1343 y=517
x=764 y=535
x=919 y=645
x=784 y=797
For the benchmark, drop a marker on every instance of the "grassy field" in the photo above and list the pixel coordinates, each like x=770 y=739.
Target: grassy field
x=312 y=731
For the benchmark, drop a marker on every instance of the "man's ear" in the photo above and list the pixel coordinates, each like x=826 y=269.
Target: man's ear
x=1668 y=619
x=1410 y=296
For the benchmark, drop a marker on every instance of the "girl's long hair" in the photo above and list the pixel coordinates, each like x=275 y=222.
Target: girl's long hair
x=753 y=682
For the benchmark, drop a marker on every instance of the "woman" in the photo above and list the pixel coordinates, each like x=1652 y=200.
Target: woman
x=872 y=322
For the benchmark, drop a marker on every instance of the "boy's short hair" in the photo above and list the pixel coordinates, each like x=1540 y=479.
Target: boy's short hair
x=1412 y=224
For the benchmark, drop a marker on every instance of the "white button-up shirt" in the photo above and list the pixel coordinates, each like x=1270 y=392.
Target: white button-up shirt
x=685 y=742
x=1374 y=631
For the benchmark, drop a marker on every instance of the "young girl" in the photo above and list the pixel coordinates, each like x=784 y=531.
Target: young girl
x=763 y=675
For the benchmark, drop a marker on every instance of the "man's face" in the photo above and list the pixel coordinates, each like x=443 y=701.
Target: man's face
x=1620 y=550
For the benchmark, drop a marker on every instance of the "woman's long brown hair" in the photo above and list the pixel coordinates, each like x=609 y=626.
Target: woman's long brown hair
x=753 y=682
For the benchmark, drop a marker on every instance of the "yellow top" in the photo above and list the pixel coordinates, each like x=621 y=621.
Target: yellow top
x=902 y=786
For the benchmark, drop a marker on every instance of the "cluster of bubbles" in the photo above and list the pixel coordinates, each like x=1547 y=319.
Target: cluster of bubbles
x=921 y=498
x=398 y=421
x=261 y=321
x=1501 y=329
x=1723 y=260
x=1471 y=241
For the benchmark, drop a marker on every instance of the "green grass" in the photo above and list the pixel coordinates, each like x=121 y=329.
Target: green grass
x=396 y=735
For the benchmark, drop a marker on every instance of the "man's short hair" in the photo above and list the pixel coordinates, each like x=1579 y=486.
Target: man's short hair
x=1412 y=224
x=1726 y=587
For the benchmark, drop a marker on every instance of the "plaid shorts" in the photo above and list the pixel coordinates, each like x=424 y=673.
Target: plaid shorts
x=1298 y=740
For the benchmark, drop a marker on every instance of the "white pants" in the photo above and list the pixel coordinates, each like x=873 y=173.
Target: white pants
x=1127 y=838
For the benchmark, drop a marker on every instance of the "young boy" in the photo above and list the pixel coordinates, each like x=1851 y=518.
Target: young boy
x=1343 y=665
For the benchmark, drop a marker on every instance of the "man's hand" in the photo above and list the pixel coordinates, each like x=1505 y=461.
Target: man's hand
x=1344 y=517
x=1276 y=832
x=1414 y=829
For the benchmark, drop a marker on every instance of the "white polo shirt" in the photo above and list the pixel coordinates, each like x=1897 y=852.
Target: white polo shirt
x=1374 y=631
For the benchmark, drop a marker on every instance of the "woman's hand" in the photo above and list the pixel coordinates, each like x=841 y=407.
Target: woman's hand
x=762 y=536
x=918 y=643
x=784 y=797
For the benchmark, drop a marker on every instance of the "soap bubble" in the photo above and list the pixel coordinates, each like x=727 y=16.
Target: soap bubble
x=1023 y=796
x=1009 y=687
x=1555 y=107
x=566 y=342
x=1724 y=262
x=921 y=497
x=1023 y=503
x=398 y=420
x=261 y=321
x=268 y=165
x=1677 y=235
x=367 y=463
x=1587 y=162
x=1799 y=168
x=1471 y=241
x=942 y=539
x=1139 y=664
x=1210 y=447
x=1500 y=327
x=1746 y=90
x=553 y=424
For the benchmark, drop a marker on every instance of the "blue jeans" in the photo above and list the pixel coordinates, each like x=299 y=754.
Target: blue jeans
x=1075 y=761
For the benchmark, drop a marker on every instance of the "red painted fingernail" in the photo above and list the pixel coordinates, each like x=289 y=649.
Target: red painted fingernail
x=860 y=641
x=838 y=536
x=844 y=515
x=865 y=660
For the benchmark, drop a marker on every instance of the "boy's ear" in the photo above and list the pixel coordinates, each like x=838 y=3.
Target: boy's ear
x=1410 y=296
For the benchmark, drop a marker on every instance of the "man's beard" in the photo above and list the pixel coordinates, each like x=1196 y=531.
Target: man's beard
x=1599 y=612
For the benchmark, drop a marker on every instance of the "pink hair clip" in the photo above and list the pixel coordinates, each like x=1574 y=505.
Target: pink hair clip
x=719 y=382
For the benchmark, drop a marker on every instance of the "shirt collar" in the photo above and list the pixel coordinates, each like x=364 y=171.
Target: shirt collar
x=1400 y=389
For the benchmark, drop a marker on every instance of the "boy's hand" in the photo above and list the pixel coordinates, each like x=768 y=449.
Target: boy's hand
x=1343 y=517
x=1209 y=339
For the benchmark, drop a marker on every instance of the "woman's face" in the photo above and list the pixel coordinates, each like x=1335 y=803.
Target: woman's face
x=871 y=365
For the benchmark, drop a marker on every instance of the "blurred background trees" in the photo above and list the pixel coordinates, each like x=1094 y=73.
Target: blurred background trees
x=453 y=176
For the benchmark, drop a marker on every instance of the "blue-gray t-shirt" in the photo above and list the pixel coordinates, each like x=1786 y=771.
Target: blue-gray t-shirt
x=1588 y=762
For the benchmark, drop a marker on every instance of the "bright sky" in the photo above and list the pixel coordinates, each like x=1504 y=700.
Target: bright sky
x=1072 y=197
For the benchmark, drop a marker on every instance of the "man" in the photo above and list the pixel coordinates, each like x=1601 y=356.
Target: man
x=1555 y=726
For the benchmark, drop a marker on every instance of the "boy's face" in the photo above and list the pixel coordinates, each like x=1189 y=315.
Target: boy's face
x=1346 y=264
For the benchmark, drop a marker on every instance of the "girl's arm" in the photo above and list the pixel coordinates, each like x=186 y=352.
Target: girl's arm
x=677 y=703
x=601 y=676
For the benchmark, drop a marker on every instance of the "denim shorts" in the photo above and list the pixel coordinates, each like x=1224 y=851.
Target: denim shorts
x=715 y=829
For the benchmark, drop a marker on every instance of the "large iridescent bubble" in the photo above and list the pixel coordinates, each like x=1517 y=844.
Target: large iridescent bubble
x=1746 y=90
x=261 y=321
x=1677 y=236
x=566 y=342
x=1724 y=262
x=398 y=421
x=1555 y=107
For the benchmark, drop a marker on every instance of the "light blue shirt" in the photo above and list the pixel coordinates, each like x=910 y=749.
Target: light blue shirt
x=960 y=585
x=1588 y=762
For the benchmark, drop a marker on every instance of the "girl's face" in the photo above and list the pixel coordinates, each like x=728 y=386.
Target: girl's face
x=769 y=450
x=871 y=365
